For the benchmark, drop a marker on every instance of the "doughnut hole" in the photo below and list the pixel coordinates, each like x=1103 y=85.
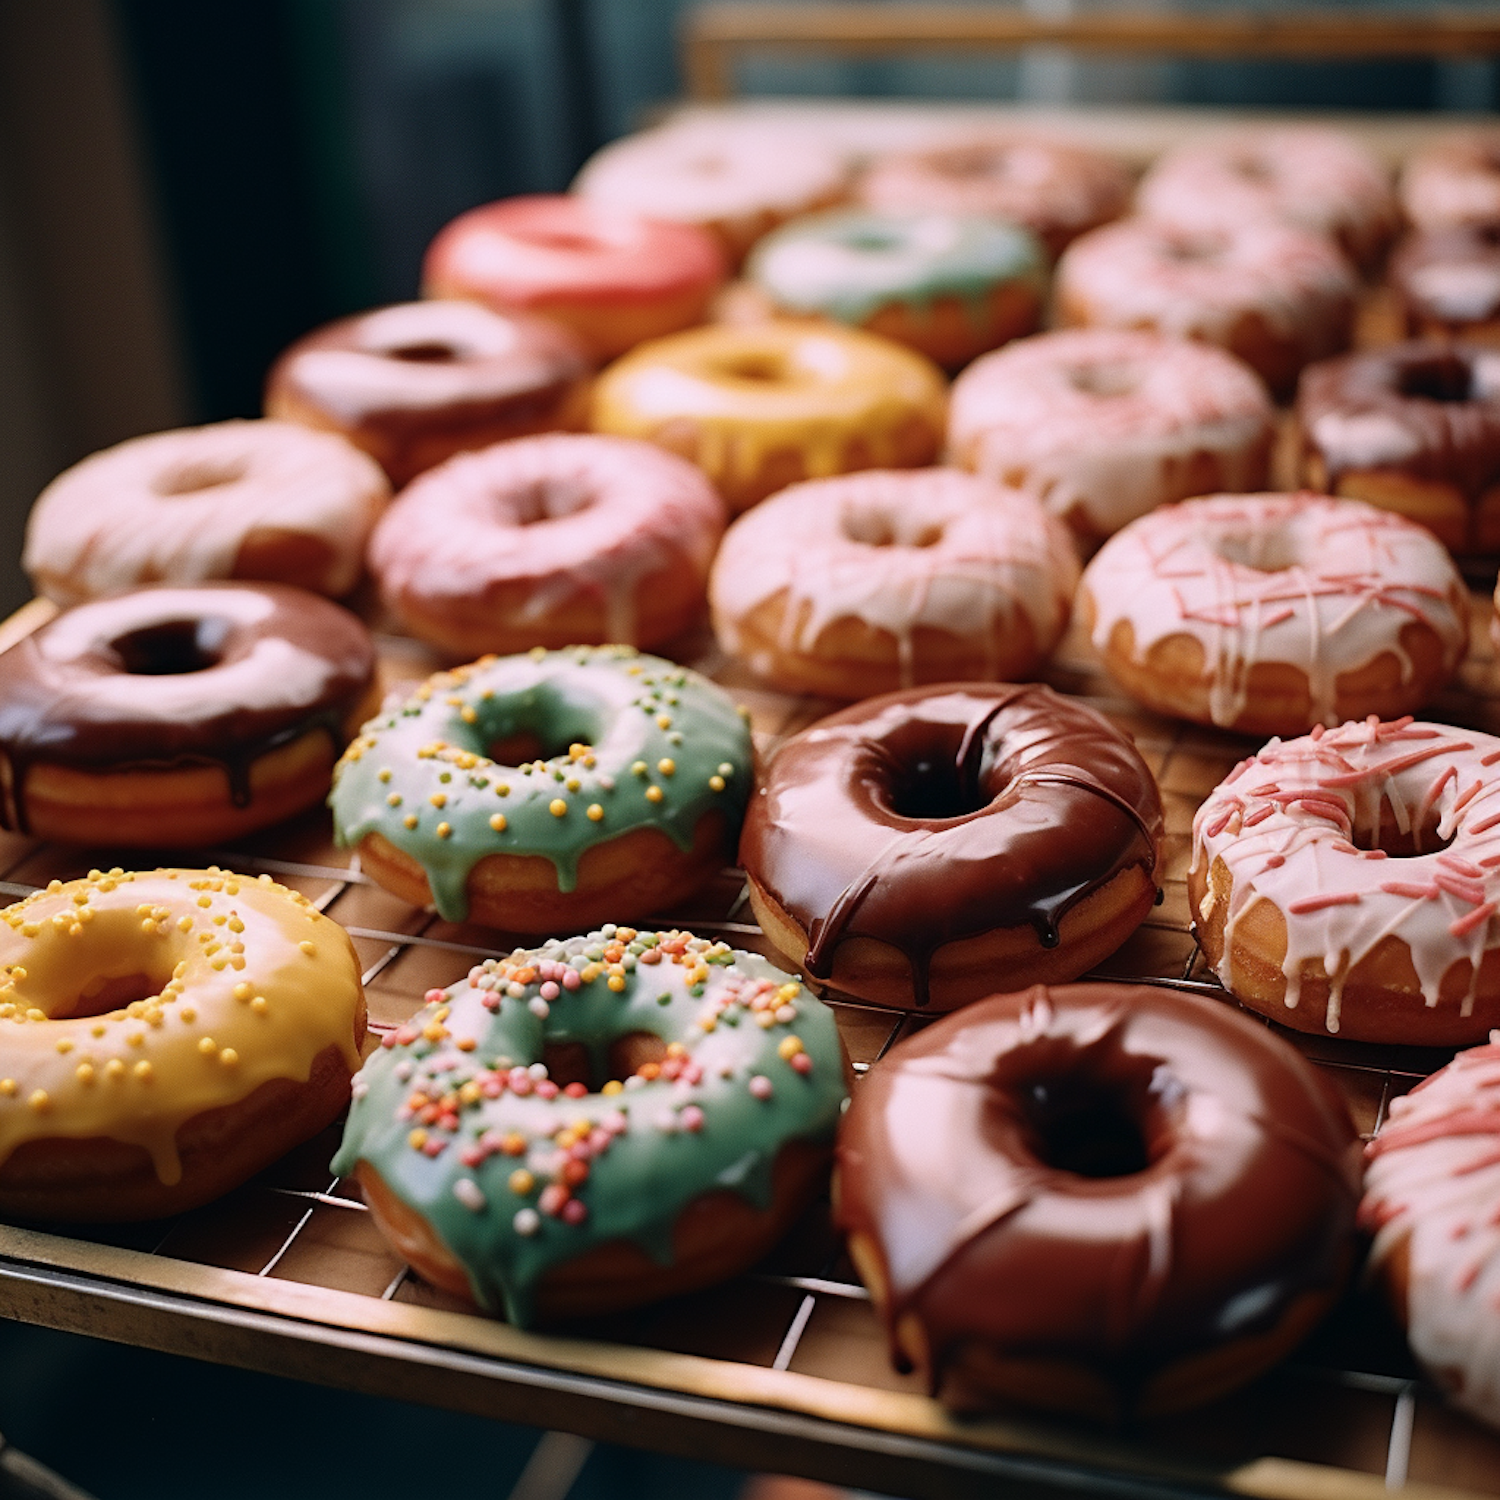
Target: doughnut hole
x=570 y=1062
x=172 y=647
x=196 y=475
x=430 y=353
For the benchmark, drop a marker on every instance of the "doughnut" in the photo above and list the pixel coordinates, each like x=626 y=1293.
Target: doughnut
x=416 y=383
x=1414 y=428
x=738 y=182
x=610 y=275
x=1315 y=177
x=1115 y=1200
x=1432 y=1181
x=175 y=718
x=164 y=1036
x=911 y=848
x=1275 y=295
x=597 y=1122
x=758 y=408
x=1453 y=181
x=1345 y=882
x=548 y=541
x=1056 y=190
x=632 y=780
x=870 y=582
x=1448 y=283
x=1268 y=614
x=949 y=286
x=1105 y=424
x=257 y=501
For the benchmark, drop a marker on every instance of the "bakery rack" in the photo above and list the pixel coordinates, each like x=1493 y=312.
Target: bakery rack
x=784 y=1368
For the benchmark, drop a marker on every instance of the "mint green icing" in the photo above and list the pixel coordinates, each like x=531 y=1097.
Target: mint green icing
x=633 y=723
x=440 y=1113
x=848 y=264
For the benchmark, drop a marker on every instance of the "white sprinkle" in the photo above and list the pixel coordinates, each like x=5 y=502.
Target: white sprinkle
x=635 y=1081
x=539 y=1007
x=526 y=1222
x=786 y=1014
x=514 y=990
x=666 y=1122
x=607 y=782
x=402 y=1070
x=538 y=1071
x=469 y=1193
x=359 y=1088
x=608 y=930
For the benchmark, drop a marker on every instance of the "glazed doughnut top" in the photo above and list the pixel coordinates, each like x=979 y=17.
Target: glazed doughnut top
x=628 y=741
x=162 y=678
x=923 y=817
x=1111 y=1173
x=460 y=1117
x=1301 y=825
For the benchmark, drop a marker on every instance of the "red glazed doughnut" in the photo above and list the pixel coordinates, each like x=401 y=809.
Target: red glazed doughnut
x=611 y=276
x=565 y=539
x=1111 y=1199
x=416 y=383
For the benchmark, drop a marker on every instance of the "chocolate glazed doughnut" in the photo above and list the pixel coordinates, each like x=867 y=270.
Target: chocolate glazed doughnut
x=902 y=849
x=174 y=717
x=1109 y=1199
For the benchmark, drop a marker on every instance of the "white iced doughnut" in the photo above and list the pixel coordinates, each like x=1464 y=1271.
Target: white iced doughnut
x=1105 y=424
x=268 y=502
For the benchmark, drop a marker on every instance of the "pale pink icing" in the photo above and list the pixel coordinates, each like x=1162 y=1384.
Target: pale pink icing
x=176 y=507
x=1433 y=1182
x=570 y=516
x=1298 y=826
x=1456 y=180
x=1138 y=273
x=896 y=550
x=1309 y=175
x=1322 y=585
x=1100 y=423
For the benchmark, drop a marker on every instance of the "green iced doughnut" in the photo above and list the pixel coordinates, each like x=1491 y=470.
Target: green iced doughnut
x=542 y=1200
x=637 y=798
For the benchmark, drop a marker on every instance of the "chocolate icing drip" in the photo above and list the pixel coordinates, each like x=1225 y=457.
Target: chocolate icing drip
x=1040 y=802
x=1427 y=409
x=167 y=678
x=960 y=1157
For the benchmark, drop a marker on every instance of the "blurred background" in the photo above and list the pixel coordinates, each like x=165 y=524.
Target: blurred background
x=187 y=186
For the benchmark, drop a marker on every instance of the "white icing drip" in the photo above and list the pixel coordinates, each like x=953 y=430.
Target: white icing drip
x=134 y=514
x=563 y=516
x=1308 y=175
x=1363 y=439
x=1102 y=422
x=1459 y=291
x=701 y=172
x=1346 y=578
x=993 y=554
x=1286 y=825
x=1454 y=181
x=1434 y=1185
x=1142 y=274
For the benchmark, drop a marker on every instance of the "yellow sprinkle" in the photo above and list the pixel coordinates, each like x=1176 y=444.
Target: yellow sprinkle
x=616 y=982
x=596 y=813
x=229 y=1057
x=30 y=929
x=467 y=714
x=470 y=1093
x=417 y=1139
x=557 y=807
x=135 y=1038
x=716 y=783
x=65 y=1044
x=308 y=948
x=438 y=799
x=260 y=1005
x=393 y=799
x=98 y=1030
x=434 y=1032
x=664 y=721
x=410 y=820
x=147 y=925
x=114 y=1068
x=205 y=901
x=653 y=794
x=497 y=822
x=188 y=1014
x=207 y=1045
x=143 y=1070
x=676 y=1049
x=573 y=784
x=40 y=1101
x=708 y=1024
x=184 y=924
x=8 y=1087
x=384 y=774
x=666 y=765
x=521 y=1182
x=613 y=1086
x=242 y=991
x=502 y=788
x=84 y=1072
x=789 y=1047
x=789 y=992
x=639 y=768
